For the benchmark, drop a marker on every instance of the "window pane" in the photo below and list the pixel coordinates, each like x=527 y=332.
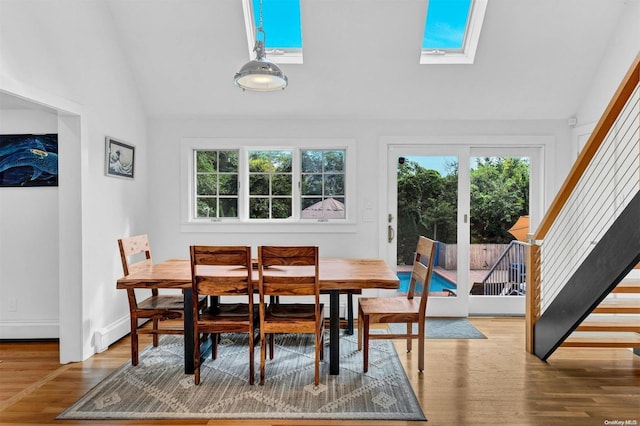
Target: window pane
x=311 y=161
x=211 y=182
x=259 y=184
x=281 y=185
x=329 y=208
x=281 y=161
x=446 y=24
x=334 y=184
x=228 y=184
x=312 y=185
x=281 y=208
x=206 y=161
x=206 y=207
x=281 y=20
x=323 y=174
x=228 y=161
x=228 y=207
x=334 y=161
x=259 y=161
x=308 y=202
x=207 y=184
x=258 y=208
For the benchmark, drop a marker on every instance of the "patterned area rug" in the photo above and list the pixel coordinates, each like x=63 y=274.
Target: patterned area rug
x=158 y=388
x=444 y=328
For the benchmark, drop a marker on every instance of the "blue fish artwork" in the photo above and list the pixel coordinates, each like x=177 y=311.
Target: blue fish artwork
x=29 y=160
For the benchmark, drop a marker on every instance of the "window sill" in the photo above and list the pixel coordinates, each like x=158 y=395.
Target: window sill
x=281 y=228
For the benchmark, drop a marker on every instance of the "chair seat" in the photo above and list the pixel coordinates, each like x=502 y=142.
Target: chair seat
x=229 y=312
x=293 y=310
x=389 y=305
x=168 y=302
x=162 y=302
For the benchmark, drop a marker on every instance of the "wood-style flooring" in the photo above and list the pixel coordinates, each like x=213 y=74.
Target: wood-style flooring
x=489 y=381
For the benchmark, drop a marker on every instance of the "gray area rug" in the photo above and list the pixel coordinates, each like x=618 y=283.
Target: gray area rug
x=158 y=388
x=444 y=328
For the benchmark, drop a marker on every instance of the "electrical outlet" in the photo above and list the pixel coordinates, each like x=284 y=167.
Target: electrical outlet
x=13 y=304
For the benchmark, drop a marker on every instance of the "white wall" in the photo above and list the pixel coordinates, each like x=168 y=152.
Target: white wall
x=28 y=232
x=69 y=52
x=624 y=46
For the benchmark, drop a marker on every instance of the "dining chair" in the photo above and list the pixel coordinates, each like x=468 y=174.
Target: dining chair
x=135 y=253
x=219 y=271
x=289 y=271
x=410 y=309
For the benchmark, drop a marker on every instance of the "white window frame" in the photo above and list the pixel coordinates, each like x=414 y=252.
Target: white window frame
x=471 y=39
x=189 y=223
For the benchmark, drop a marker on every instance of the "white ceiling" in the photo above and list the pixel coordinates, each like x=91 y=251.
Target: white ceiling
x=535 y=60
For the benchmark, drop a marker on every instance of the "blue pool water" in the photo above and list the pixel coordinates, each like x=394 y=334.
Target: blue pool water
x=438 y=282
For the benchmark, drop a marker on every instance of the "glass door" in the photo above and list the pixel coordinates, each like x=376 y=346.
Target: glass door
x=429 y=197
x=503 y=206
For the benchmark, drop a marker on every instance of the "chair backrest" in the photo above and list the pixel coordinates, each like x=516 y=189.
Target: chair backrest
x=221 y=271
x=132 y=246
x=423 y=264
x=299 y=274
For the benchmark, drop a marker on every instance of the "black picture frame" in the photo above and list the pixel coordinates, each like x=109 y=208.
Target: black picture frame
x=119 y=158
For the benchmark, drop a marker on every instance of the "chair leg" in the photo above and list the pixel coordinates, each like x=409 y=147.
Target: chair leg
x=421 y=346
x=360 y=327
x=214 y=345
x=251 y=360
x=272 y=345
x=196 y=356
x=156 y=323
x=317 y=359
x=263 y=355
x=365 y=346
x=409 y=339
x=134 y=340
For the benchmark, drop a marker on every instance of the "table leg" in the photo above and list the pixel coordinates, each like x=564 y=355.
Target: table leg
x=188 y=332
x=350 y=313
x=334 y=332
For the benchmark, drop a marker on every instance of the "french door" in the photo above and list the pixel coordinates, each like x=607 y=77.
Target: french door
x=448 y=220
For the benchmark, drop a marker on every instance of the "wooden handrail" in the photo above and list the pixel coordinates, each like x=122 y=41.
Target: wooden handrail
x=617 y=103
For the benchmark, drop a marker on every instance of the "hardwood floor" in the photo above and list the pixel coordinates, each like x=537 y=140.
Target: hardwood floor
x=489 y=381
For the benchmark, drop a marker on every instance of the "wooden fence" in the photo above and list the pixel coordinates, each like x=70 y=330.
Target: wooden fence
x=481 y=256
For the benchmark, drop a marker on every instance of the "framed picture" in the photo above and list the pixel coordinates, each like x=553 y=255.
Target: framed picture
x=29 y=160
x=119 y=158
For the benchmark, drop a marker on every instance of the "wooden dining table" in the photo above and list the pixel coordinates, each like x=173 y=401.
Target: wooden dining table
x=337 y=275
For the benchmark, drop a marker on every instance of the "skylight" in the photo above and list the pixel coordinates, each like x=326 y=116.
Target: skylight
x=451 y=31
x=282 y=26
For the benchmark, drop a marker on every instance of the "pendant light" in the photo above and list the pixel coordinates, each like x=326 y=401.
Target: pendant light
x=260 y=75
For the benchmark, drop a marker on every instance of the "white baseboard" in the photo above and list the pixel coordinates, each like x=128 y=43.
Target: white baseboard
x=30 y=329
x=105 y=336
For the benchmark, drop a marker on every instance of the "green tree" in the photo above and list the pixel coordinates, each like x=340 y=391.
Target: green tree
x=424 y=208
x=427 y=202
x=499 y=196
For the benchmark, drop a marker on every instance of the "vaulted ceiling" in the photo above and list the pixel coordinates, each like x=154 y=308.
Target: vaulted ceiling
x=535 y=60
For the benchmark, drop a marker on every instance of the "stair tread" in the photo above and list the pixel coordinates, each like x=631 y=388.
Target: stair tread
x=628 y=286
x=630 y=306
x=603 y=339
x=610 y=323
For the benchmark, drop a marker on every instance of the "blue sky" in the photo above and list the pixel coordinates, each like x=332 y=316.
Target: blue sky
x=445 y=24
x=438 y=163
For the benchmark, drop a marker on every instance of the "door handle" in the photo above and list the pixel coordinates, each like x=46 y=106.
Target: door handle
x=390 y=233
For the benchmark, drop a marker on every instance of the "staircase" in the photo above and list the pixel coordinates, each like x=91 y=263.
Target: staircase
x=580 y=289
x=614 y=323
